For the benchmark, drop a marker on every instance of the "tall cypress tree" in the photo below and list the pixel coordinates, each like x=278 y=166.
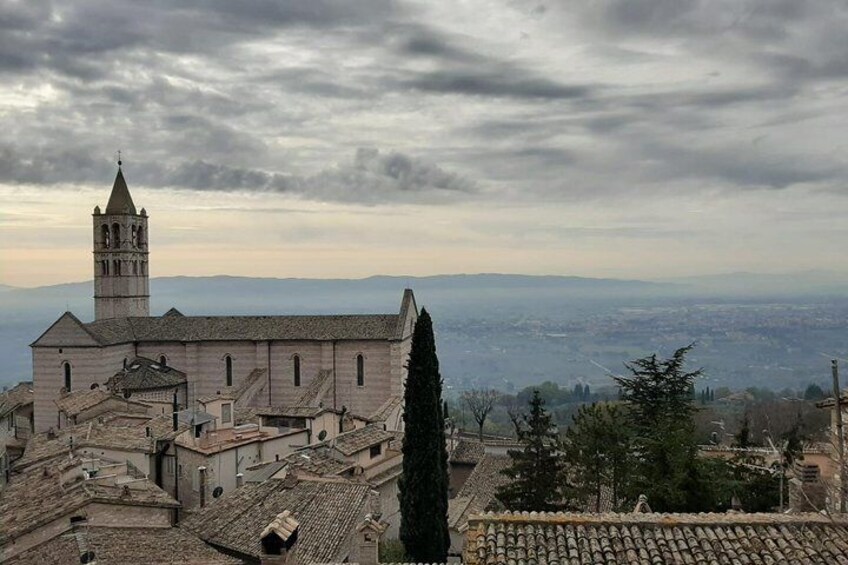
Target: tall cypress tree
x=424 y=484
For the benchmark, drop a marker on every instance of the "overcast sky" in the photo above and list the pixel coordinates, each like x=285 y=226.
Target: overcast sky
x=625 y=138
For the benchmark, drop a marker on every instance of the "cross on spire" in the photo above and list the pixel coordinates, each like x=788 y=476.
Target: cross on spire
x=119 y=157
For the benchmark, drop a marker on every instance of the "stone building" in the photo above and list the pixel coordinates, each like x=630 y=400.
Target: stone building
x=351 y=362
x=16 y=424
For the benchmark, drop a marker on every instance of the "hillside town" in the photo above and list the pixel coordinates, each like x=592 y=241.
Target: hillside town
x=324 y=439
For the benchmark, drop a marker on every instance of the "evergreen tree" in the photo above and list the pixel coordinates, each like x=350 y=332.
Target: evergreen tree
x=742 y=439
x=597 y=448
x=660 y=399
x=423 y=486
x=536 y=471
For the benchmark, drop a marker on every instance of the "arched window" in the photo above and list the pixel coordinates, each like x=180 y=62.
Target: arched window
x=360 y=370
x=116 y=267
x=296 y=364
x=116 y=235
x=139 y=236
x=134 y=237
x=228 y=362
x=163 y=361
x=66 y=367
x=107 y=239
x=135 y=267
x=104 y=267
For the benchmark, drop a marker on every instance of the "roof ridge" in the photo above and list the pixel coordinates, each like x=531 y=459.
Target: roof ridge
x=660 y=518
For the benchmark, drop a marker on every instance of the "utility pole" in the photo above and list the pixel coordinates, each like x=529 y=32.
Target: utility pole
x=843 y=486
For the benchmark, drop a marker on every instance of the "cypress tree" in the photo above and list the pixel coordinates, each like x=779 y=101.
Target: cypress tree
x=423 y=485
x=537 y=470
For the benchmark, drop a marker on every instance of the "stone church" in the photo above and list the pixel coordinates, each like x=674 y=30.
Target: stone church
x=350 y=363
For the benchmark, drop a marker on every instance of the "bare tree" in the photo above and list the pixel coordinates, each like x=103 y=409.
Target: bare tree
x=514 y=411
x=480 y=402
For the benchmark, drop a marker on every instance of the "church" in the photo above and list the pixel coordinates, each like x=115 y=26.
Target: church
x=353 y=364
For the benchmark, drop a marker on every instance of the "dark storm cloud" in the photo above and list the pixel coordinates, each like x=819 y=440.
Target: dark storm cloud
x=370 y=177
x=506 y=82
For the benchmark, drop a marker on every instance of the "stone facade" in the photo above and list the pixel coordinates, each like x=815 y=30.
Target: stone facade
x=364 y=355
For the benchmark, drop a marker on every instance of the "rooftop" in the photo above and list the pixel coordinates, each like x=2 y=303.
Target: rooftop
x=467 y=451
x=355 y=441
x=79 y=401
x=118 y=546
x=36 y=497
x=17 y=396
x=120 y=201
x=327 y=511
x=478 y=492
x=625 y=539
x=145 y=374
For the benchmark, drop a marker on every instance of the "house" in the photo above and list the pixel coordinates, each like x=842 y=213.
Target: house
x=476 y=495
x=637 y=538
x=321 y=423
x=16 y=425
x=327 y=515
x=463 y=458
x=83 y=405
x=152 y=382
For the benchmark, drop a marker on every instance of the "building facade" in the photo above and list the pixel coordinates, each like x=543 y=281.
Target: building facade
x=348 y=362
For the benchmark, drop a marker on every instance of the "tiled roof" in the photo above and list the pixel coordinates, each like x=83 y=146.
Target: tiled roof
x=327 y=511
x=145 y=374
x=37 y=497
x=385 y=410
x=121 y=546
x=467 y=451
x=18 y=395
x=97 y=434
x=317 y=389
x=317 y=461
x=290 y=411
x=478 y=492
x=77 y=401
x=355 y=441
x=625 y=539
x=251 y=328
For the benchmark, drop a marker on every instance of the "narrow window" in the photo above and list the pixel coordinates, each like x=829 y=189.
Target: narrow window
x=139 y=236
x=104 y=267
x=226 y=413
x=116 y=235
x=228 y=361
x=106 y=237
x=163 y=361
x=67 y=368
x=376 y=450
x=360 y=370
x=296 y=362
x=135 y=267
x=116 y=267
x=134 y=237
x=125 y=362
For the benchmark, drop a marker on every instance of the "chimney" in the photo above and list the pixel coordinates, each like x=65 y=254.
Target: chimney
x=201 y=471
x=278 y=539
x=239 y=480
x=368 y=535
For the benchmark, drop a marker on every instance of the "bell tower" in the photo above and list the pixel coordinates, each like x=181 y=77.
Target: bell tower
x=121 y=287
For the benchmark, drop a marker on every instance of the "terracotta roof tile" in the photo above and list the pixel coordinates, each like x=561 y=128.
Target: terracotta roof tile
x=467 y=451
x=18 y=395
x=252 y=328
x=328 y=512
x=355 y=441
x=624 y=539
x=145 y=374
x=478 y=492
x=120 y=546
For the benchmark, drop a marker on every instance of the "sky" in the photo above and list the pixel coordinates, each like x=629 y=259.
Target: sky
x=618 y=138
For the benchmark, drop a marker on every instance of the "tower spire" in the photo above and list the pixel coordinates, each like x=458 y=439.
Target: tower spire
x=120 y=201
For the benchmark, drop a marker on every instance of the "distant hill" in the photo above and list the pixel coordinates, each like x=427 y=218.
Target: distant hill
x=514 y=330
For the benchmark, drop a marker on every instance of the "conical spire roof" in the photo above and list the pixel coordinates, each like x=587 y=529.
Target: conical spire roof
x=120 y=202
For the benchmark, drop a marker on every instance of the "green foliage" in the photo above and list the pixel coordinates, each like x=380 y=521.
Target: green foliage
x=391 y=551
x=814 y=392
x=742 y=439
x=598 y=447
x=423 y=486
x=536 y=471
x=660 y=401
